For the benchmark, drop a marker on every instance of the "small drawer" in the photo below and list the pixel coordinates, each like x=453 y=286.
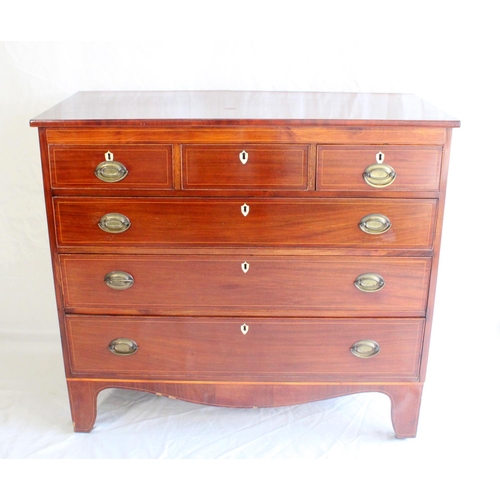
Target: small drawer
x=246 y=166
x=388 y=168
x=250 y=285
x=111 y=166
x=284 y=222
x=256 y=349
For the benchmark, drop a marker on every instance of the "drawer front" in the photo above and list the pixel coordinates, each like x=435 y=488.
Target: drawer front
x=146 y=166
x=247 y=166
x=271 y=285
x=271 y=349
x=345 y=168
x=245 y=222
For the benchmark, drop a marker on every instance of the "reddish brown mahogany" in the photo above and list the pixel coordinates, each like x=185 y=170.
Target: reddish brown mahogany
x=283 y=222
x=187 y=348
x=215 y=285
x=244 y=245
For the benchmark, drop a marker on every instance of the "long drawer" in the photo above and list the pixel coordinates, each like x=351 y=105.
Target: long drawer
x=332 y=223
x=271 y=285
x=271 y=349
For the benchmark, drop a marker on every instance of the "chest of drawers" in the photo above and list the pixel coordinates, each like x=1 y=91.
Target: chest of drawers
x=245 y=249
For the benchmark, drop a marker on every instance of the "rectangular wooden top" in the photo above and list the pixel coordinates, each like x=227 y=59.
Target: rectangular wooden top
x=164 y=108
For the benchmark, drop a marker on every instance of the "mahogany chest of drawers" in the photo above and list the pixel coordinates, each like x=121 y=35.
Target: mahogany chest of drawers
x=245 y=249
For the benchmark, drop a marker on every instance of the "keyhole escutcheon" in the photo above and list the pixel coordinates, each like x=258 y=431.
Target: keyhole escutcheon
x=243 y=157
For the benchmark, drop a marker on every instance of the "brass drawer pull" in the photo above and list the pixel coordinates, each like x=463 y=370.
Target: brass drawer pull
x=369 y=282
x=379 y=174
x=114 y=223
x=119 y=280
x=123 y=347
x=375 y=224
x=365 y=348
x=110 y=170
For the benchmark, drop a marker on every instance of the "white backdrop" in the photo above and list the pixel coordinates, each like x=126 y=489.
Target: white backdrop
x=445 y=52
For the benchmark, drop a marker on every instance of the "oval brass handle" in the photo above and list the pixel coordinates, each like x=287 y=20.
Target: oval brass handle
x=375 y=224
x=369 y=282
x=365 y=348
x=114 y=223
x=379 y=175
x=111 y=171
x=123 y=347
x=119 y=280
